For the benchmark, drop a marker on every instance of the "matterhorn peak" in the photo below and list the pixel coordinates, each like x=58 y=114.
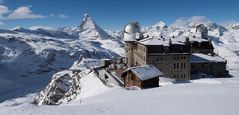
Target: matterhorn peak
x=89 y=29
x=87 y=18
x=86 y=23
x=86 y=15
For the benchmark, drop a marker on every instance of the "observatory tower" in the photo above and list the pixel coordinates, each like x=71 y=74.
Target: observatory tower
x=132 y=34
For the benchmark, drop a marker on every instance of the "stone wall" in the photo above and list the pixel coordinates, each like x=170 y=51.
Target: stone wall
x=172 y=65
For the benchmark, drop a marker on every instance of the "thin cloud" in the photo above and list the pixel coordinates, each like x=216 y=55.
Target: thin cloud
x=3 y=10
x=63 y=16
x=52 y=15
x=191 y=21
x=42 y=27
x=19 y=13
x=24 y=13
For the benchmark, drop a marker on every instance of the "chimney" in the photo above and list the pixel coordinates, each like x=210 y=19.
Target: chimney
x=210 y=41
x=170 y=41
x=187 y=40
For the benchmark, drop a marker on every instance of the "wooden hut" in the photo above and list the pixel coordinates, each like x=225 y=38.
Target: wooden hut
x=145 y=76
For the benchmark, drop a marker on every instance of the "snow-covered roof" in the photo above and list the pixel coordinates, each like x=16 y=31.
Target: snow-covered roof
x=154 y=41
x=191 y=39
x=146 y=72
x=202 y=58
x=180 y=40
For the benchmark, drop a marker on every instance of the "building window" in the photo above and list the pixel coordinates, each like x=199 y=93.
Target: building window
x=106 y=77
x=176 y=57
x=181 y=65
x=177 y=65
x=174 y=65
x=193 y=66
x=157 y=59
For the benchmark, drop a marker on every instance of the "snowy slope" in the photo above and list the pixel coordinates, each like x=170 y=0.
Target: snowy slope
x=31 y=57
x=45 y=32
x=206 y=96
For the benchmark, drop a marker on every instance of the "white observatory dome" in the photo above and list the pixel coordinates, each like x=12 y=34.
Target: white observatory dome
x=201 y=29
x=132 y=32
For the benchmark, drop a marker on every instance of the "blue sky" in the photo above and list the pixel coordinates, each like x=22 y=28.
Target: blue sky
x=112 y=14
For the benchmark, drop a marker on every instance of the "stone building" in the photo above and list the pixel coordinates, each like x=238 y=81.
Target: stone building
x=171 y=55
x=211 y=65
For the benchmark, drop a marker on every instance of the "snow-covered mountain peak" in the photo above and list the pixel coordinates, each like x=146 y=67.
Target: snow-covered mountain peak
x=160 y=25
x=234 y=26
x=87 y=23
x=21 y=29
x=89 y=29
x=156 y=30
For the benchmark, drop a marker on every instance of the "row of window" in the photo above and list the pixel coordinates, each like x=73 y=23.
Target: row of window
x=179 y=76
x=127 y=49
x=179 y=65
x=159 y=59
x=202 y=66
x=177 y=57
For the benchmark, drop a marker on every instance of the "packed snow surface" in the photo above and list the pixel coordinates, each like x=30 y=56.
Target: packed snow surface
x=203 y=96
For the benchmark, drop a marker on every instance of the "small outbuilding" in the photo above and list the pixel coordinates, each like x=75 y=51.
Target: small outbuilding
x=145 y=76
x=211 y=65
